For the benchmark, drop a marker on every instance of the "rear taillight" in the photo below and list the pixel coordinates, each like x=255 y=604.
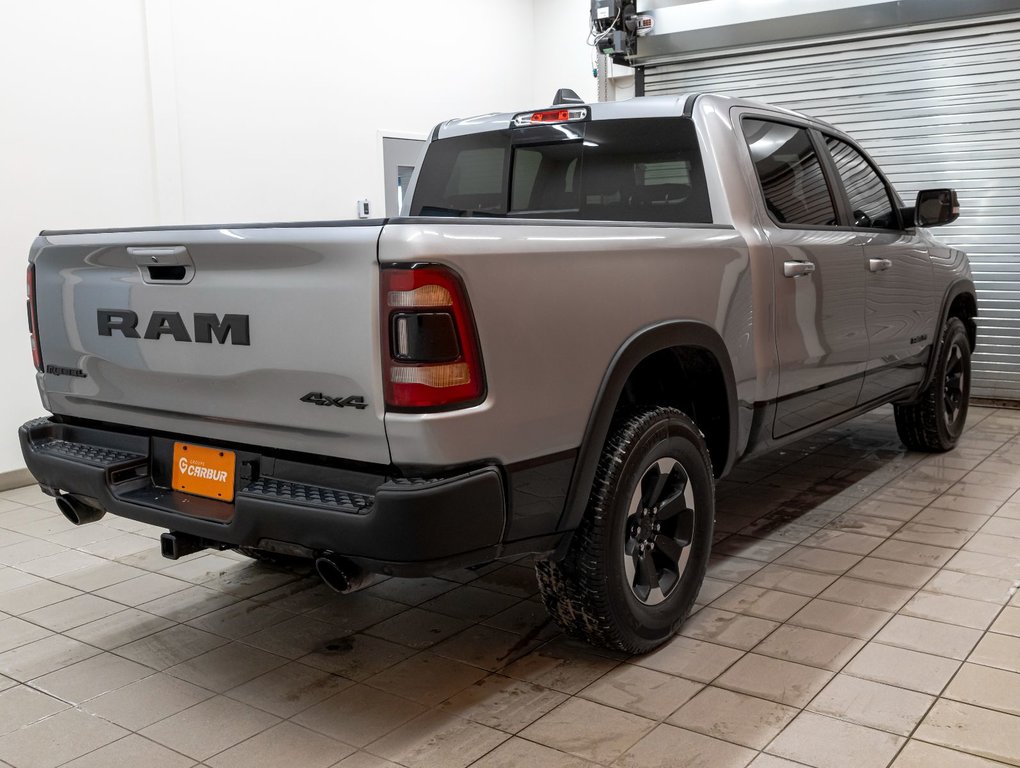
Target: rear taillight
x=33 y=325
x=431 y=358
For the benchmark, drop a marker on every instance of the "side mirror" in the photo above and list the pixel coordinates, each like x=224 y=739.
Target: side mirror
x=936 y=207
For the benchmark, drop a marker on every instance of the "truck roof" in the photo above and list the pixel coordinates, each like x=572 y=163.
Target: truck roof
x=643 y=106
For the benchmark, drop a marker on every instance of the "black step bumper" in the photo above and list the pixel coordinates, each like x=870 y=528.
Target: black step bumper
x=386 y=523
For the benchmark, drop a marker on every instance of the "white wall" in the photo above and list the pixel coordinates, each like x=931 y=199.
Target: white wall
x=137 y=112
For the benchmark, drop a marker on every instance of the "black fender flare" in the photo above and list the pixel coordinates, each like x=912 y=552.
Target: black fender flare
x=957 y=288
x=646 y=342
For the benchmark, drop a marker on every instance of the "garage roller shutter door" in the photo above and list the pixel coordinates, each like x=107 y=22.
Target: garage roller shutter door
x=938 y=107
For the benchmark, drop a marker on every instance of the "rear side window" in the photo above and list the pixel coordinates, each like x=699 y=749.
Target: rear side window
x=870 y=202
x=790 y=174
x=620 y=170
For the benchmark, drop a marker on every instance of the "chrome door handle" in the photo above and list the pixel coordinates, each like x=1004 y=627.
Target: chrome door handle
x=879 y=265
x=798 y=268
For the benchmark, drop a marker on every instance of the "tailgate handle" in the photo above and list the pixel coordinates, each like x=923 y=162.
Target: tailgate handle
x=163 y=264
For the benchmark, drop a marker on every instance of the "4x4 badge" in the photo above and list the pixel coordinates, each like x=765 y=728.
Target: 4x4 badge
x=317 y=398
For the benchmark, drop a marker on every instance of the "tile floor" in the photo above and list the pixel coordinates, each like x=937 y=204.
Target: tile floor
x=861 y=610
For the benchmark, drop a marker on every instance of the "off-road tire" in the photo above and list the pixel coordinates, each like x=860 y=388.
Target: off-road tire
x=929 y=423
x=589 y=592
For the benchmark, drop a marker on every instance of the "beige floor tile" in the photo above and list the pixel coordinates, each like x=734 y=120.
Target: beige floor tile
x=671 y=747
x=283 y=744
x=933 y=535
x=73 y=612
x=171 y=646
x=929 y=636
x=973 y=587
x=903 y=668
x=960 y=611
x=888 y=509
x=97 y=576
x=810 y=646
x=417 y=628
x=32 y=596
x=515 y=580
x=789 y=579
x=43 y=656
x=487 y=647
x=189 y=603
x=146 y=701
x=947 y=518
x=990 y=544
x=90 y=678
x=866 y=524
x=1002 y=526
x=358 y=715
x=357 y=657
x=979 y=731
x=525 y=618
x=712 y=589
x=828 y=743
x=978 y=563
x=771 y=761
x=27 y=550
x=867 y=594
x=243 y=618
x=514 y=753
x=132 y=750
x=726 y=628
x=437 y=740
x=774 y=679
x=1008 y=622
x=691 y=659
x=209 y=727
x=410 y=591
x=296 y=637
x=642 y=691
x=226 y=667
x=994 y=650
x=734 y=717
x=918 y=754
x=591 y=731
x=560 y=667
x=470 y=602
x=746 y=547
x=67 y=735
x=844 y=541
x=504 y=703
x=732 y=568
x=762 y=603
x=142 y=589
x=822 y=560
x=891 y=572
x=365 y=760
x=986 y=687
x=426 y=678
x=841 y=619
x=289 y=689
x=21 y=706
x=15 y=632
x=914 y=553
x=873 y=704
x=119 y=629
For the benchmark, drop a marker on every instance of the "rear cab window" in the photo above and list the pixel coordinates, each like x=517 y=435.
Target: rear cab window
x=647 y=169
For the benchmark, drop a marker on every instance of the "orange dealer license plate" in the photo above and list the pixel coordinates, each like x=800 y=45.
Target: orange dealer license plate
x=204 y=471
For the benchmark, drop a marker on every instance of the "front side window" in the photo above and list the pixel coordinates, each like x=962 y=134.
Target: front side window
x=618 y=170
x=790 y=174
x=870 y=202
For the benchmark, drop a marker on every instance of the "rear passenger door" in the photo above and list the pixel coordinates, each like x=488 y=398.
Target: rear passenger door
x=900 y=307
x=819 y=276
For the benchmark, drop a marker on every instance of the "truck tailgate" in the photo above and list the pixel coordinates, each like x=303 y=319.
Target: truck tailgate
x=260 y=335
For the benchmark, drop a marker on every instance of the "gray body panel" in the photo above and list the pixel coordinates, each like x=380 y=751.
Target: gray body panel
x=554 y=302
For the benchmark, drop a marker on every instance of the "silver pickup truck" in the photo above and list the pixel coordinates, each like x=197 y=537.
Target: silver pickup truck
x=586 y=314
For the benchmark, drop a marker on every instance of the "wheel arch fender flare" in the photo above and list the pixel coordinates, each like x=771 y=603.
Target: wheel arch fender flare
x=956 y=289
x=636 y=349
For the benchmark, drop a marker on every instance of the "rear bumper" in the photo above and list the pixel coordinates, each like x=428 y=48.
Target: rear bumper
x=386 y=524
